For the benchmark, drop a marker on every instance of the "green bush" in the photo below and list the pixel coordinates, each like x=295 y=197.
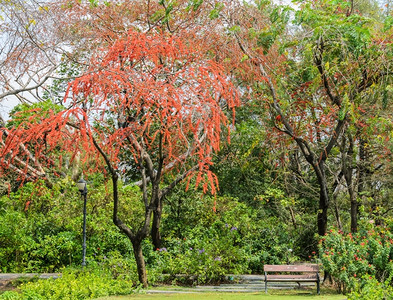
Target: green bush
x=204 y=237
x=349 y=258
x=34 y=233
x=208 y=255
x=371 y=289
x=74 y=284
x=209 y=238
x=117 y=265
x=41 y=229
x=10 y=295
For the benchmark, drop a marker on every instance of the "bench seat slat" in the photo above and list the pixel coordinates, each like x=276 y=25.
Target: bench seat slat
x=291 y=268
x=310 y=278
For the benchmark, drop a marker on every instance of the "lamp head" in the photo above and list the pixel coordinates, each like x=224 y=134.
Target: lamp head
x=82 y=186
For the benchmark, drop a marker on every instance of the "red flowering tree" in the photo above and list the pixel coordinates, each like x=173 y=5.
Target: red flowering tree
x=152 y=102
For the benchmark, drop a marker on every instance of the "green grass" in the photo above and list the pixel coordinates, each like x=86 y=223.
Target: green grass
x=272 y=295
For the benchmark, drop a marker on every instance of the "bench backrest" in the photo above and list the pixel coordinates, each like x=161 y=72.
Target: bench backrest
x=291 y=268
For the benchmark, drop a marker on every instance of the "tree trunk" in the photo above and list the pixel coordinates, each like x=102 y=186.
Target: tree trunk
x=322 y=217
x=348 y=172
x=362 y=166
x=136 y=239
x=337 y=213
x=354 y=213
x=352 y=198
x=155 y=229
x=293 y=218
x=323 y=198
x=362 y=170
x=140 y=262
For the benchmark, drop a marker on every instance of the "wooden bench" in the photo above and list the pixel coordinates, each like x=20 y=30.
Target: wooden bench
x=299 y=276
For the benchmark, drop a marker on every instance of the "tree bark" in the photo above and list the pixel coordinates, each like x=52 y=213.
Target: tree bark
x=335 y=192
x=354 y=213
x=322 y=214
x=337 y=213
x=140 y=261
x=362 y=169
x=347 y=171
x=322 y=221
x=155 y=229
x=136 y=239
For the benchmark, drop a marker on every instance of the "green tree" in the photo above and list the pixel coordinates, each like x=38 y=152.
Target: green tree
x=314 y=77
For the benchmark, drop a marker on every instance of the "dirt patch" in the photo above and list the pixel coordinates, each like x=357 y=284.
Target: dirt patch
x=6 y=285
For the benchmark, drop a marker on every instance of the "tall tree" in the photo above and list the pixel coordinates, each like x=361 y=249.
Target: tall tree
x=151 y=100
x=91 y=25
x=312 y=75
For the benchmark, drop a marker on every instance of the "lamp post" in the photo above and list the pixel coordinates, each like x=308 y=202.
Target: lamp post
x=82 y=187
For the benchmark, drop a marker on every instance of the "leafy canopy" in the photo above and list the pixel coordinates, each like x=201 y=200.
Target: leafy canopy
x=148 y=93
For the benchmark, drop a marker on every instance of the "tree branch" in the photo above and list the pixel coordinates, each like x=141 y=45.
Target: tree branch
x=180 y=178
x=25 y=89
x=333 y=139
x=318 y=54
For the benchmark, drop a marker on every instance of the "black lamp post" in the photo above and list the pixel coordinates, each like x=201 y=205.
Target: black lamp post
x=82 y=186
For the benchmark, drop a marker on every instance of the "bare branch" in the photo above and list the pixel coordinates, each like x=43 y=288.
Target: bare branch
x=25 y=89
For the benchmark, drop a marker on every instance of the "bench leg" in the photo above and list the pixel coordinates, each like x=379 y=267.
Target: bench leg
x=265 y=286
x=318 y=288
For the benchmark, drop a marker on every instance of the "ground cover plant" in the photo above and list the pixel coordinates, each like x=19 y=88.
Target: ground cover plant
x=74 y=284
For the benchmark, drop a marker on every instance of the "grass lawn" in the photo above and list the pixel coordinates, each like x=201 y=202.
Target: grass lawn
x=272 y=295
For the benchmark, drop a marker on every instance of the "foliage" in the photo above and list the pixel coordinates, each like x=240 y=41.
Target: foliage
x=371 y=289
x=200 y=261
x=203 y=243
x=242 y=166
x=32 y=112
x=314 y=79
x=41 y=229
x=235 y=237
x=74 y=284
x=351 y=257
x=31 y=241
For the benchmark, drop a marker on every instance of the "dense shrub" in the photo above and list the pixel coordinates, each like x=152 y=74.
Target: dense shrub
x=74 y=284
x=371 y=289
x=203 y=237
x=41 y=229
x=209 y=237
x=208 y=255
x=351 y=258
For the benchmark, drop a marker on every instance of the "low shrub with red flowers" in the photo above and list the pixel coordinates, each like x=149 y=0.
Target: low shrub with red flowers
x=349 y=258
